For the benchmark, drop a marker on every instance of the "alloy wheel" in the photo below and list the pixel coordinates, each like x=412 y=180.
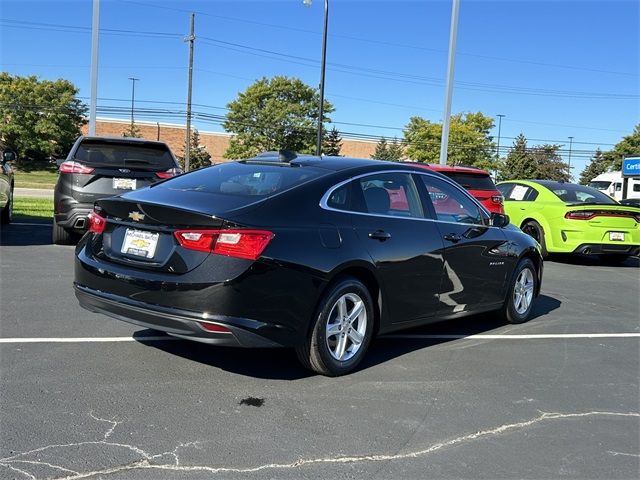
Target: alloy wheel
x=523 y=291
x=346 y=327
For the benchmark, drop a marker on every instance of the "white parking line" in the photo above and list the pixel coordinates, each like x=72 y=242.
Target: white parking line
x=418 y=337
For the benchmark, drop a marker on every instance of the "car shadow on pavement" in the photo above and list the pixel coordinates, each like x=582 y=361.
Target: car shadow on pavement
x=593 y=261
x=25 y=231
x=282 y=364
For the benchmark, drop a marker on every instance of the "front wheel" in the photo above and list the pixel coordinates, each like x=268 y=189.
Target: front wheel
x=7 y=212
x=342 y=330
x=517 y=307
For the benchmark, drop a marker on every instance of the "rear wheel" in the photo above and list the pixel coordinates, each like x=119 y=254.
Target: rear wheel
x=7 y=211
x=60 y=235
x=534 y=230
x=342 y=330
x=517 y=307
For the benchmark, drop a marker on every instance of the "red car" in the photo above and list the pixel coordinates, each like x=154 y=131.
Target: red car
x=476 y=181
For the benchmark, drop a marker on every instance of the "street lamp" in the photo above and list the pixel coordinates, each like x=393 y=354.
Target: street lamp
x=570 y=145
x=323 y=63
x=133 y=94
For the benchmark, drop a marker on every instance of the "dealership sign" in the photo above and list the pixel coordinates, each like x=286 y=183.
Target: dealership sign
x=631 y=167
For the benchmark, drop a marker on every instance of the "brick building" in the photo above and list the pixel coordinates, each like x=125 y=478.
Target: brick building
x=215 y=143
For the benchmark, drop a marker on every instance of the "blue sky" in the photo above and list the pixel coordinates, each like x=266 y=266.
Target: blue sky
x=554 y=68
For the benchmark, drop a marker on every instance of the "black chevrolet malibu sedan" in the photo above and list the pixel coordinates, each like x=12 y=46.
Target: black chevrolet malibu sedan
x=318 y=254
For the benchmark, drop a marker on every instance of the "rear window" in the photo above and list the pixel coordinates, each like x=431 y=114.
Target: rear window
x=243 y=179
x=472 y=181
x=572 y=193
x=125 y=154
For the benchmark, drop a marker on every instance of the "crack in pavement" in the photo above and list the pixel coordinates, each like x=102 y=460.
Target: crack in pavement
x=146 y=462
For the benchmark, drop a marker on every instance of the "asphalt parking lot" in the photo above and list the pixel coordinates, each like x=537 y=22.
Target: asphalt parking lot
x=86 y=396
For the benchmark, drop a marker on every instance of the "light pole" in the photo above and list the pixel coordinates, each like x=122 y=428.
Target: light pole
x=500 y=115
x=133 y=94
x=95 y=27
x=323 y=64
x=187 y=146
x=453 y=37
x=570 y=145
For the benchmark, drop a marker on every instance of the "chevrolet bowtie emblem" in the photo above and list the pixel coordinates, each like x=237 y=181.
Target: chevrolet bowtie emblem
x=136 y=216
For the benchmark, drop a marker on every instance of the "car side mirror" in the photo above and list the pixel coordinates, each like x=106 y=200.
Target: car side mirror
x=499 y=220
x=8 y=156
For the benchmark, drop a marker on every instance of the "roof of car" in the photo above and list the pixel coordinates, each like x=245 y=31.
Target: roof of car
x=114 y=139
x=449 y=168
x=327 y=162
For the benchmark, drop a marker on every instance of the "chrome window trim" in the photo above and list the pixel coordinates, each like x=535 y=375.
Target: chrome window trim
x=325 y=198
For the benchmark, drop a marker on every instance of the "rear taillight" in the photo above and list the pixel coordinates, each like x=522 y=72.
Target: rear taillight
x=247 y=244
x=74 y=167
x=96 y=223
x=579 y=215
x=497 y=199
x=172 y=172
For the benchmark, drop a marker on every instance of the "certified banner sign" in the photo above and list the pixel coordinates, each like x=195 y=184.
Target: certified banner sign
x=631 y=167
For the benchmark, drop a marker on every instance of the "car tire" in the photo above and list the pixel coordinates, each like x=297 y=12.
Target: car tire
x=534 y=230
x=7 y=212
x=60 y=235
x=342 y=329
x=521 y=292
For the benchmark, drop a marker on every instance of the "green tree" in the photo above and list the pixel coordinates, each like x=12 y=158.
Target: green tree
x=539 y=162
x=392 y=151
x=597 y=165
x=198 y=154
x=332 y=143
x=274 y=114
x=469 y=140
x=628 y=146
x=40 y=118
x=132 y=131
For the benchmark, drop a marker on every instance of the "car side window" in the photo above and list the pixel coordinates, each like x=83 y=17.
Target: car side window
x=393 y=194
x=450 y=204
x=339 y=198
x=505 y=189
x=521 y=193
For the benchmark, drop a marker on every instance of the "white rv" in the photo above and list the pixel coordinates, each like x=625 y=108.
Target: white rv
x=611 y=184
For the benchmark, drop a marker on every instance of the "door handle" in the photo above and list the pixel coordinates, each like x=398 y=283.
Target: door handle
x=380 y=235
x=452 y=237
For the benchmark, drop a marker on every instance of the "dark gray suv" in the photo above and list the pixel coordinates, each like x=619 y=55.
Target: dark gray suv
x=99 y=167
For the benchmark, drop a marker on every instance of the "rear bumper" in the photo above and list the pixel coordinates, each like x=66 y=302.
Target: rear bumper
x=608 y=249
x=181 y=323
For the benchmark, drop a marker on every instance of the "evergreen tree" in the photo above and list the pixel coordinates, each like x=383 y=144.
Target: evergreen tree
x=388 y=151
x=628 y=146
x=132 y=131
x=518 y=164
x=332 y=143
x=198 y=155
x=597 y=165
x=549 y=163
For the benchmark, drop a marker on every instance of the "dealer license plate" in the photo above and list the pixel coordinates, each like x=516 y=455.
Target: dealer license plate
x=616 y=236
x=139 y=243
x=124 y=183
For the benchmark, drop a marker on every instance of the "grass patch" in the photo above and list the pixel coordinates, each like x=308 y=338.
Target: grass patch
x=43 y=177
x=33 y=207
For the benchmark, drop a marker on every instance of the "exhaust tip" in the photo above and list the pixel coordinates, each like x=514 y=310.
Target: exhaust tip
x=80 y=223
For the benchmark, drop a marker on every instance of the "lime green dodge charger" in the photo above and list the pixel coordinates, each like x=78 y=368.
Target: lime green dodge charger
x=569 y=218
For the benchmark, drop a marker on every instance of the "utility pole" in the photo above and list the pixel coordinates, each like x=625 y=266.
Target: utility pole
x=453 y=37
x=498 y=146
x=570 y=145
x=133 y=95
x=95 y=28
x=191 y=38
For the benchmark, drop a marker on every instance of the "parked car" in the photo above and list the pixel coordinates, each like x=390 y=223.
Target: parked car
x=475 y=180
x=569 y=218
x=302 y=252
x=6 y=185
x=98 y=167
